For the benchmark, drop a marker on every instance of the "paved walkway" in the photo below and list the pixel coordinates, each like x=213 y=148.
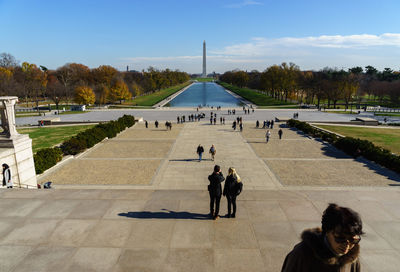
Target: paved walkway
x=161 y=224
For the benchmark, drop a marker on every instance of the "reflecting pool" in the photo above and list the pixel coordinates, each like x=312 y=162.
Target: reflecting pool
x=204 y=94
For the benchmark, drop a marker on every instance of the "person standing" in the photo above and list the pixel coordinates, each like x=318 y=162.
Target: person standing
x=146 y=124
x=213 y=151
x=200 y=151
x=280 y=132
x=257 y=124
x=7 y=176
x=241 y=126
x=230 y=191
x=334 y=247
x=215 y=190
x=156 y=123
x=267 y=135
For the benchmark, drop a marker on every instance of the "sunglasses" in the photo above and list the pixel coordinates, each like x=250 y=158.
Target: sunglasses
x=343 y=239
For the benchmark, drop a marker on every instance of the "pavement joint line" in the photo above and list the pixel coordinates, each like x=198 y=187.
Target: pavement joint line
x=160 y=167
x=271 y=174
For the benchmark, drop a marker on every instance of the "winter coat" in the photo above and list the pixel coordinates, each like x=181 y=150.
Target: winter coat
x=215 y=187
x=7 y=177
x=312 y=255
x=230 y=186
x=200 y=149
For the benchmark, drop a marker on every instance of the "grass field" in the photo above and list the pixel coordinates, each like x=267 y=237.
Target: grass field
x=154 y=98
x=384 y=137
x=343 y=112
x=204 y=79
x=257 y=98
x=43 y=137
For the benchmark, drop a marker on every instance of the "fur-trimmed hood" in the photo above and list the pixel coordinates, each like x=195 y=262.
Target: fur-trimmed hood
x=314 y=239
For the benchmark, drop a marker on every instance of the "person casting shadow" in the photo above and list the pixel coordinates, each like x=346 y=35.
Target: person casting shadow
x=215 y=190
x=230 y=191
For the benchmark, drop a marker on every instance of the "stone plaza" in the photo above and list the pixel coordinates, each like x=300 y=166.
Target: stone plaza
x=139 y=202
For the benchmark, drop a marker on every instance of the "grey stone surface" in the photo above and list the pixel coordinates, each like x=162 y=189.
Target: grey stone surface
x=45 y=259
x=163 y=226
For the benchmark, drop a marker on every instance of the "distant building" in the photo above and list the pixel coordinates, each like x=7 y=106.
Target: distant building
x=204 y=74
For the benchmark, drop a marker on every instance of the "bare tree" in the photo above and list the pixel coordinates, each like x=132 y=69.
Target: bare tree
x=7 y=60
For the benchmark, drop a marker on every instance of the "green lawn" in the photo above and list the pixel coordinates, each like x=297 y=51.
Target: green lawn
x=384 y=137
x=257 y=98
x=154 y=98
x=343 y=112
x=204 y=79
x=43 y=137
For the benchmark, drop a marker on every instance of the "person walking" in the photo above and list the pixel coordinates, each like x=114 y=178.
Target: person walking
x=230 y=191
x=200 y=151
x=213 y=151
x=234 y=125
x=334 y=247
x=280 y=132
x=7 y=176
x=215 y=191
x=267 y=135
x=146 y=124
x=241 y=126
x=156 y=123
x=257 y=124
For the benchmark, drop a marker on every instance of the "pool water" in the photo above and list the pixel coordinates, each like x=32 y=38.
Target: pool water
x=204 y=94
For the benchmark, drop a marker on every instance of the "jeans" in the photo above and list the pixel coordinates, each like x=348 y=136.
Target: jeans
x=200 y=155
x=231 y=201
x=214 y=199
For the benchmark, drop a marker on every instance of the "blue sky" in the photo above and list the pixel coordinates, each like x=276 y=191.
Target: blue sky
x=240 y=34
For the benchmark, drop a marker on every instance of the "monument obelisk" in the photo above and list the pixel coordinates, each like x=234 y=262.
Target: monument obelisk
x=204 y=74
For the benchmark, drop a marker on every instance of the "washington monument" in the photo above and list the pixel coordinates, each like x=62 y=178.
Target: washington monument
x=204 y=74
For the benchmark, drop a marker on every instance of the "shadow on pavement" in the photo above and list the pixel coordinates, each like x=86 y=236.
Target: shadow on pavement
x=196 y=160
x=167 y=214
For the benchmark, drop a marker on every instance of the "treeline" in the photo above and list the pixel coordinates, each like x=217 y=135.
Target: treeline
x=77 y=82
x=287 y=82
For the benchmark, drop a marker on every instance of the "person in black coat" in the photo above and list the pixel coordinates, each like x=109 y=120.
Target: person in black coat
x=230 y=191
x=200 y=151
x=215 y=190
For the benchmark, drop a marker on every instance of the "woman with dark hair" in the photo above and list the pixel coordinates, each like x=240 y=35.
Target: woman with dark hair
x=334 y=247
x=7 y=176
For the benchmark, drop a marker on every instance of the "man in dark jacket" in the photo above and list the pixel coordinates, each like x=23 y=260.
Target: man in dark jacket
x=333 y=248
x=200 y=151
x=215 y=190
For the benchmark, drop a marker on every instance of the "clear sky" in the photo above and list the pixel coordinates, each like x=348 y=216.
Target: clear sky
x=240 y=34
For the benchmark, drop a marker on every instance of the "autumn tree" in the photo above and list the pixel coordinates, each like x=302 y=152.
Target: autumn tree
x=6 y=78
x=119 y=91
x=104 y=74
x=84 y=95
x=55 y=90
x=33 y=81
x=102 y=93
x=72 y=75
